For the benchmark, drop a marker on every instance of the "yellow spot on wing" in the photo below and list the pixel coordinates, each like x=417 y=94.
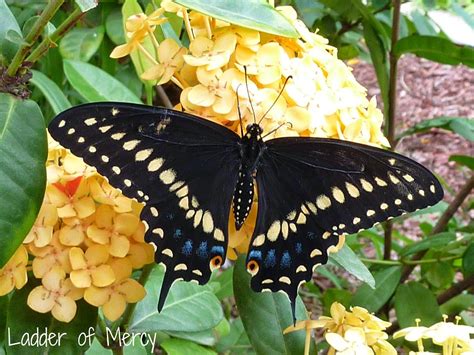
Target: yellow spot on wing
x=367 y=186
x=353 y=191
x=323 y=202
x=380 y=182
x=207 y=222
x=168 y=176
x=259 y=240
x=155 y=164
x=143 y=154
x=130 y=145
x=274 y=231
x=338 y=194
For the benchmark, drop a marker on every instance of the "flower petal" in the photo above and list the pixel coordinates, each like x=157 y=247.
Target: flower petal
x=102 y=276
x=40 y=300
x=65 y=309
x=114 y=307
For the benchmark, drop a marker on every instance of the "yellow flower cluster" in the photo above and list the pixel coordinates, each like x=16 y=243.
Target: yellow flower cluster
x=85 y=243
x=350 y=332
x=454 y=338
x=321 y=99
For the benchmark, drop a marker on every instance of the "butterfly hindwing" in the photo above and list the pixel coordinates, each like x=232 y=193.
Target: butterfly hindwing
x=183 y=168
x=313 y=191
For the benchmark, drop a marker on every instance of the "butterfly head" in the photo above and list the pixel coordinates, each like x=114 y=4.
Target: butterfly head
x=254 y=130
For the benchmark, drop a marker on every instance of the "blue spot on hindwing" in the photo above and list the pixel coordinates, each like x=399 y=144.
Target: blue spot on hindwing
x=270 y=259
x=255 y=254
x=177 y=233
x=187 y=248
x=217 y=250
x=285 y=261
x=311 y=235
x=299 y=248
x=202 y=250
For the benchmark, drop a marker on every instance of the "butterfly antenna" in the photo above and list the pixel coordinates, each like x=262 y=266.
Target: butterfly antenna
x=248 y=94
x=276 y=129
x=274 y=102
x=238 y=110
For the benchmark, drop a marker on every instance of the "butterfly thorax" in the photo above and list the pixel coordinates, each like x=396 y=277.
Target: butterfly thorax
x=251 y=149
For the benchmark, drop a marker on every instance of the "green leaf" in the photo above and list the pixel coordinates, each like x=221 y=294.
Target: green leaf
x=332 y=295
x=94 y=84
x=460 y=125
x=464 y=160
x=188 y=308
x=435 y=241
x=349 y=261
x=256 y=14
x=457 y=304
x=175 y=346
x=114 y=27
x=266 y=315
x=440 y=274
x=86 y=5
x=97 y=349
x=53 y=94
x=3 y=318
x=437 y=49
x=386 y=281
x=23 y=151
x=378 y=54
x=423 y=24
x=7 y=24
x=81 y=43
x=236 y=342
x=413 y=300
x=374 y=23
x=468 y=260
x=225 y=281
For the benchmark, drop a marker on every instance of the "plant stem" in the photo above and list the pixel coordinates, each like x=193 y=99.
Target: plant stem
x=391 y=111
x=33 y=35
x=456 y=289
x=443 y=221
x=147 y=269
x=410 y=262
x=393 y=60
x=149 y=94
x=50 y=41
x=163 y=96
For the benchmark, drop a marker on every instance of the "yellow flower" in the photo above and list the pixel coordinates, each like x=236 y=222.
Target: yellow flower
x=56 y=295
x=90 y=268
x=213 y=54
x=42 y=231
x=353 y=342
x=140 y=253
x=113 y=230
x=114 y=298
x=54 y=254
x=102 y=192
x=449 y=334
x=71 y=200
x=214 y=90
x=13 y=274
x=170 y=57
x=138 y=27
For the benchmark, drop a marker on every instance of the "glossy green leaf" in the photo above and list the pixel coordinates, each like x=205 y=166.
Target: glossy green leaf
x=435 y=48
x=464 y=160
x=3 y=318
x=225 y=282
x=349 y=261
x=53 y=94
x=457 y=304
x=8 y=23
x=434 y=241
x=440 y=274
x=386 y=281
x=412 y=301
x=468 y=260
x=370 y=18
x=423 y=24
x=97 y=349
x=114 y=27
x=256 y=14
x=94 y=84
x=460 y=125
x=188 y=308
x=332 y=295
x=81 y=43
x=86 y=5
x=236 y=342
x=23 y=151
x=265 y=316
x=175 y=346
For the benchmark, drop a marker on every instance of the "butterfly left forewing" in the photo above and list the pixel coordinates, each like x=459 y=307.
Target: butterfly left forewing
x=313 y=191
x=183 y=168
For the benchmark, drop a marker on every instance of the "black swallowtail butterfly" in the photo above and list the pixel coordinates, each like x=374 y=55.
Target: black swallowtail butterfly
x=188 y=171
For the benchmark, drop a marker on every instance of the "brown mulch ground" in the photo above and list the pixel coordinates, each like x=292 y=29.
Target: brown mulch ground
x=427 y=90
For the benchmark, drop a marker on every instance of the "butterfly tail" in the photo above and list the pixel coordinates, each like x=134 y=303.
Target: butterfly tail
x=168 y=281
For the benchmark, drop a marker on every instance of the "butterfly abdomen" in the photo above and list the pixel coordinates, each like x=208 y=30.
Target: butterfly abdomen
x=243 y=197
